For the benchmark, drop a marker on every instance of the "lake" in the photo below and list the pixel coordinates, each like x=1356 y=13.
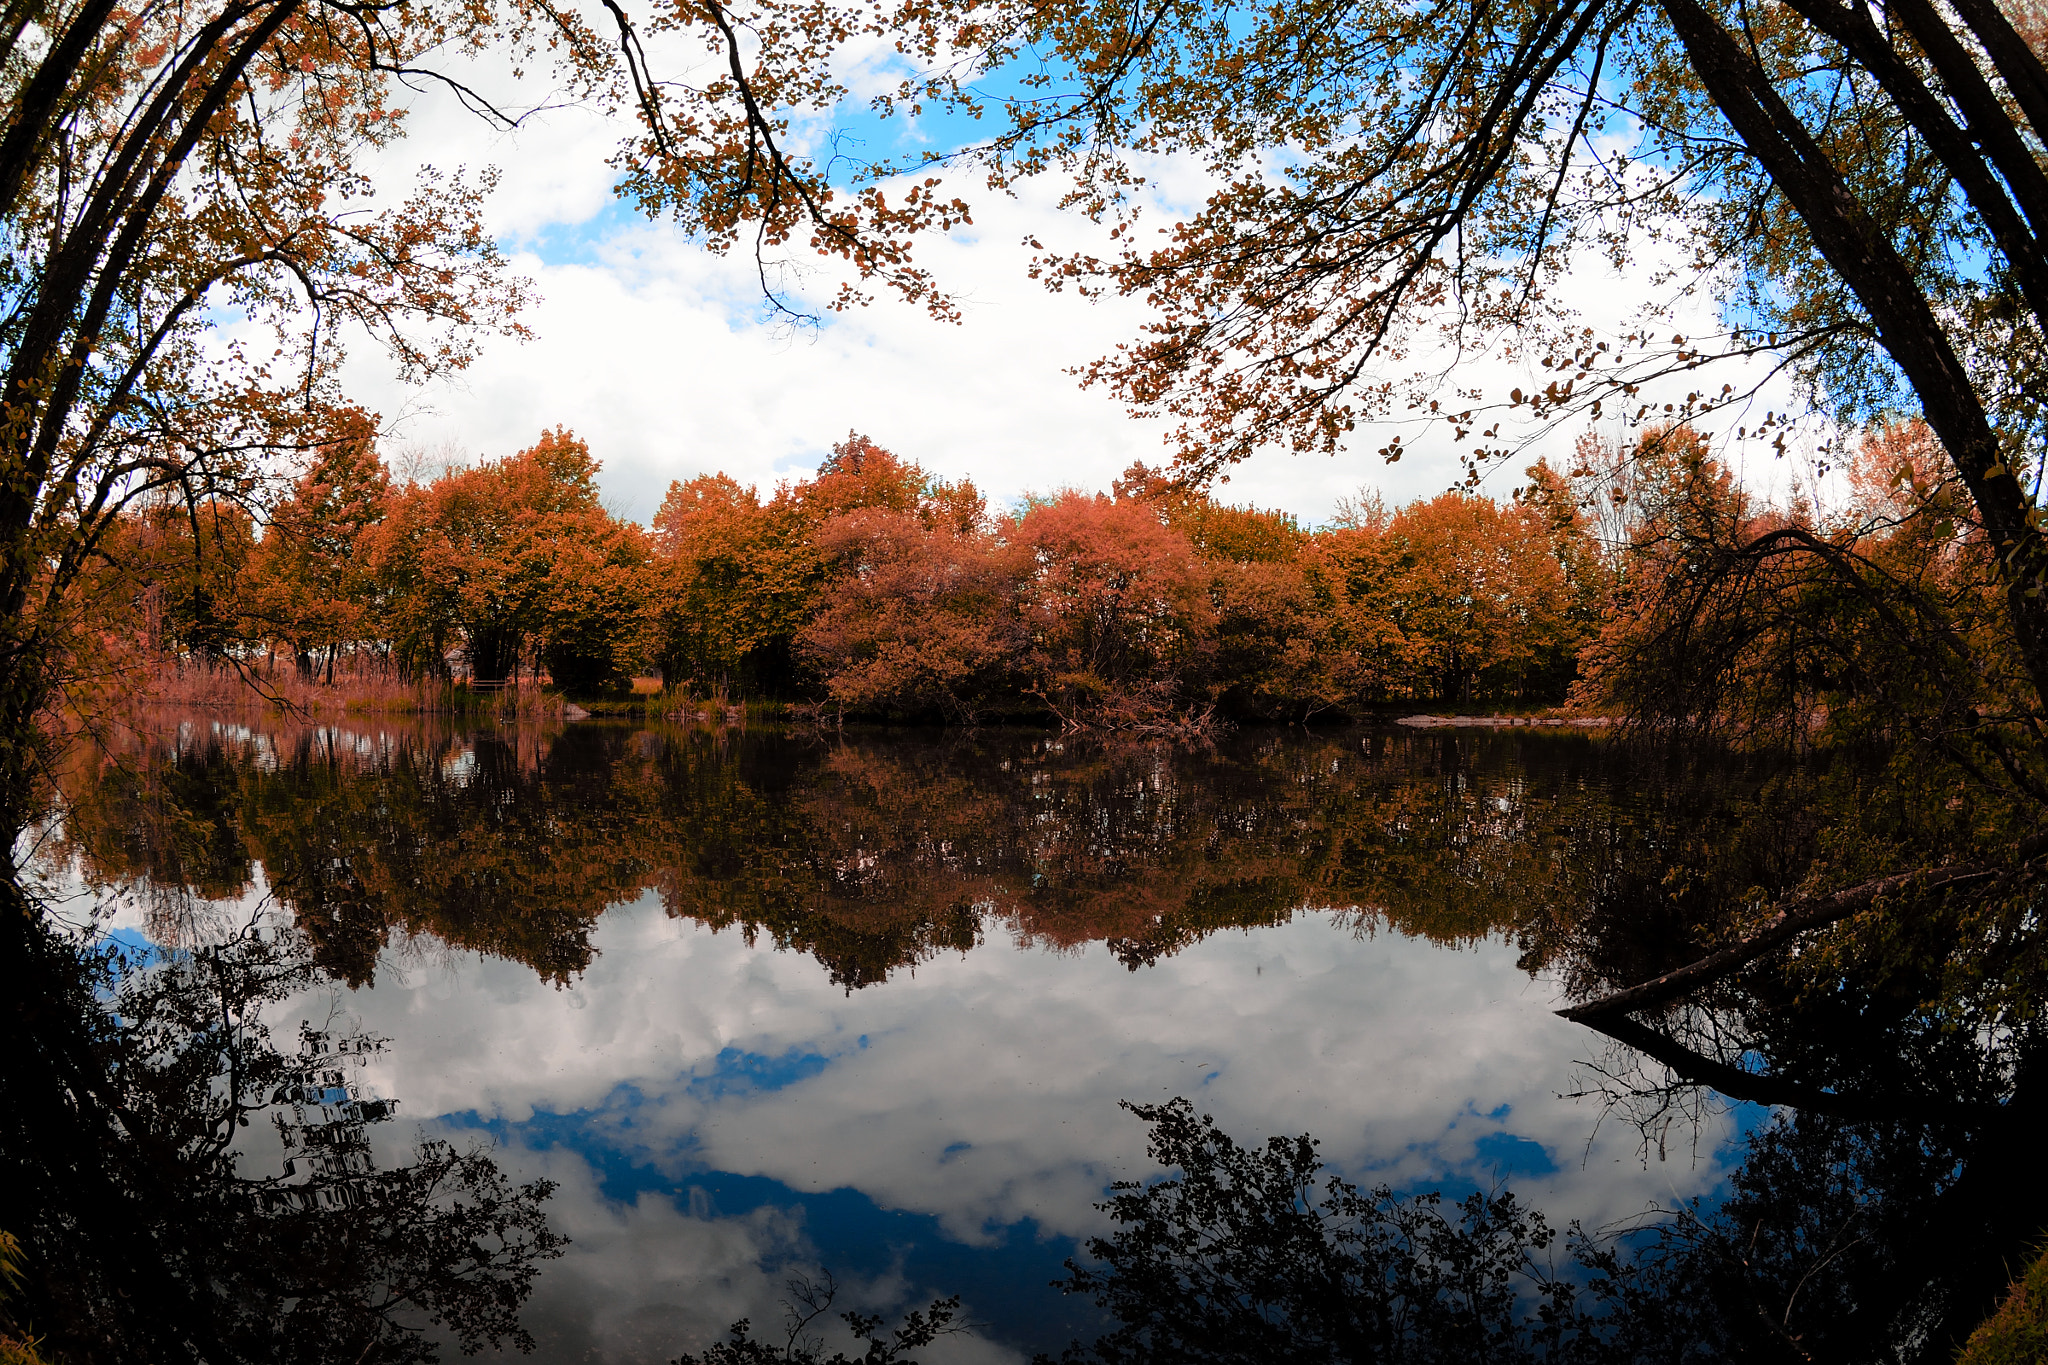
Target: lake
x=774 y=1002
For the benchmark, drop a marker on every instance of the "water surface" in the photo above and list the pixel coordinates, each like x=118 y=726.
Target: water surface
x=766 y=1003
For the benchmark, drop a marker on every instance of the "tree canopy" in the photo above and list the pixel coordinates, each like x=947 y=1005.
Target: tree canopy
x=871 y=590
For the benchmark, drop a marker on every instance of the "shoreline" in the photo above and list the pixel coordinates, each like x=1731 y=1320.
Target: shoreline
x=1428 y=722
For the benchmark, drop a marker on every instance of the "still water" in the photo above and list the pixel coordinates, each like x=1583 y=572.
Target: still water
x=866 y=1004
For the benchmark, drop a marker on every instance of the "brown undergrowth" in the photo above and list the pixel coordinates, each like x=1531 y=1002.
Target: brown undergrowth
x=235 y=686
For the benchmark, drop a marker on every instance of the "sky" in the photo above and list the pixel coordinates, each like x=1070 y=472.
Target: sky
x=659 y=353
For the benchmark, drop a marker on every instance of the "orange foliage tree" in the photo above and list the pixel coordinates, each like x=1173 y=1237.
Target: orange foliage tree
x=310 y=584
x=1478 y=596
x=168 y=579
x=726 y=581
x=917 y=616
x=518 y=561
x=735 y=582
x=876 y=589
x=1271 y=639
x=1117 y=606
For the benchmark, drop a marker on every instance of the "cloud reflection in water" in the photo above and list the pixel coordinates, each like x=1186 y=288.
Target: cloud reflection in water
x=717 y=1112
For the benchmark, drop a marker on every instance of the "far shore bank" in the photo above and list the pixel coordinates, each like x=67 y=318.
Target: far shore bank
x=1425 y=722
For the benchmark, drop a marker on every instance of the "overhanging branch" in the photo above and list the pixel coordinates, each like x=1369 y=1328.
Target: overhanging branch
x=1788 y=923
x=1757 y=1088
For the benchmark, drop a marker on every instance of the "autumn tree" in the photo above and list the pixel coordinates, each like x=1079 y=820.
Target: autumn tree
x=914 y=617
x=310 y=583
x=885 y=591
x=1346 y=569
x=858 y=473
x=1275 y=641
x=1117 y=607
x=1588 y=576
x=1479 y=597
x=1457 y=598
x=1866 y=173
x=1273 y=637
x=173 y=576
x=713 y=581
x=1873 y=638
x=735 y=582
x=1857 y=185
x=1748 y=621
x=1856 y=181
x=518 y=560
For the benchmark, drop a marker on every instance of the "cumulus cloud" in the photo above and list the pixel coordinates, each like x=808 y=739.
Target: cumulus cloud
x=662 y=356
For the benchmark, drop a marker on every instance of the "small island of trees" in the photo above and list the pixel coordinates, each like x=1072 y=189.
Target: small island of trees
x=876 y=590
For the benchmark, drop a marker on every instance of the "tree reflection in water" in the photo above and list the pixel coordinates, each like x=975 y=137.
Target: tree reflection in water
x=1876 y=1216
x=1839 y=1242
x=869 y=855
x=127 y=1086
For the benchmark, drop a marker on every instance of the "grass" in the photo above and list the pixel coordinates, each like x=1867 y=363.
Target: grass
x=2017 y=1334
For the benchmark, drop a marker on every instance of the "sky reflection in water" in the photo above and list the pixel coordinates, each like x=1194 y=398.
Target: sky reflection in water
x=719 y=1113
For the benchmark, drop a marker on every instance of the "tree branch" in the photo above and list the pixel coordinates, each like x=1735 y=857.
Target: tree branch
x=1791 y=921
x=1699 y=1069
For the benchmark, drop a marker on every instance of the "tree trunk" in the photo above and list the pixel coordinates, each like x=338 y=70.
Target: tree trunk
x=23 y=691
x=1906 y=324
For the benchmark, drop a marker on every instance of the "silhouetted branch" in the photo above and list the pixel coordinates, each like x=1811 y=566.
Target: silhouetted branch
x=1758 y=1088
x=1792 y=920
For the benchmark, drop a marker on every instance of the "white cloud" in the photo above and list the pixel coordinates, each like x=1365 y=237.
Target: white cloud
x=642 y=1281
x=659 y=353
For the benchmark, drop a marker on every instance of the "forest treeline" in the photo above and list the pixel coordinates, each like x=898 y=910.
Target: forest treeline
x=876 y=589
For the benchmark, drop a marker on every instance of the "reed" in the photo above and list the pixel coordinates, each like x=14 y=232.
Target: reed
x=523 y=703
x=714 y=708
x=235 y=686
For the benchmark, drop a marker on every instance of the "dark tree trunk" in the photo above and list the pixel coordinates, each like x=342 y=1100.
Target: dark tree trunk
x=493 y=654
x=1906 y=323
